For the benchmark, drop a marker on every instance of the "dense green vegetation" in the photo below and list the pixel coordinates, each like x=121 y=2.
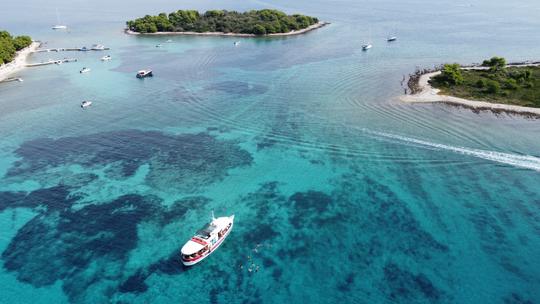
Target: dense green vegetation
x=10 y=45
x=259 y=22
x=496 y=83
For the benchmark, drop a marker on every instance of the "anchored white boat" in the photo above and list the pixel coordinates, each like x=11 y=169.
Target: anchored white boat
x=84 y=70
x=106 y=58
x=58 y=25
x=236 y=43
x=85 y=104
x=391 y=38
x=144 y=73
x=366 y=46
x=207 y=240
x=98 y=47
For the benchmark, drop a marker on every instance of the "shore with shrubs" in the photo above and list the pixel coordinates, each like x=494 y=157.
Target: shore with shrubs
x=493 y=85
x=14 y=52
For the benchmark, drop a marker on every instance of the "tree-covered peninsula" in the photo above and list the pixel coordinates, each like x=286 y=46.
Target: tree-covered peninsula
x=9 y=46
x=256 y=22
x=494 y=81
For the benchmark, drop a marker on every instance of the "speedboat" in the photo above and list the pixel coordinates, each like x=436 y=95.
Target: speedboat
x=236 y=43
x=106 y=58
x=144 y=73
x=207 y=240
x=366 y=47
x=85 y=104
x=84 y=70
x=392 y=38
x=97 y=47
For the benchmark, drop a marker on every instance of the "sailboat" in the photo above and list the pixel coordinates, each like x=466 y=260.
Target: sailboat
x=58 y=25
x=367 y=45
x=391 y=36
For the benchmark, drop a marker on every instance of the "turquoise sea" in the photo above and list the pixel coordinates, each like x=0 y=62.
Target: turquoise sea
x=342 y=193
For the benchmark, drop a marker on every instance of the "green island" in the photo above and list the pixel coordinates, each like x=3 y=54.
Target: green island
x=9 y=46
x=255 y=22
x=494 y=81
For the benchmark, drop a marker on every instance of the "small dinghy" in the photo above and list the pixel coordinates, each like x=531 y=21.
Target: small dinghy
x=144 y=73
x=85 y=104
x=207 y=240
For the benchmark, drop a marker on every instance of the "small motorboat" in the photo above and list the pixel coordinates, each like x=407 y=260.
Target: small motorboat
x=366 y=47
x=169 y=41
x=98 y=47
x=391 y=38
x=236 y=43
x=159 y=45
x=207 y=240
x=84 y=70
x=85 y=104
x=106 y=58
x=144 y=74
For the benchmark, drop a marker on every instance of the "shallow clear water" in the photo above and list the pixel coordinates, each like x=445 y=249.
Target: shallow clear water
x=341 y=192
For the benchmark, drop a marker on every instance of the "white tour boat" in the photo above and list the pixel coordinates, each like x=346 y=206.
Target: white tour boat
x=85 y=104
x=144 y=73
x=207 y=240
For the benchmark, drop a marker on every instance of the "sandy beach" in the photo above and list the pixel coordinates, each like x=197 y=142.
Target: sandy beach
x=308 y=29
x=19 y=62
x=429 y=94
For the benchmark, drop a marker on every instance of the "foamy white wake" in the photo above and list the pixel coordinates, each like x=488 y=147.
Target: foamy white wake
x=522 y=161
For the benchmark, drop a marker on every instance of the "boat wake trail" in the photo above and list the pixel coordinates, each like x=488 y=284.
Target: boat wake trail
x=522 y=161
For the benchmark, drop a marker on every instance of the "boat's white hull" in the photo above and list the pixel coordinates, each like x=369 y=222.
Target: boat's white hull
x=59 y=27
x=216 y=246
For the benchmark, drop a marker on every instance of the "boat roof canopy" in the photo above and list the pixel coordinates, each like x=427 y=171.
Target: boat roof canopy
x=206 y=230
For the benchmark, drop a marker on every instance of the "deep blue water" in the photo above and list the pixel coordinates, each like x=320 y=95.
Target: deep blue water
x=342 y=194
